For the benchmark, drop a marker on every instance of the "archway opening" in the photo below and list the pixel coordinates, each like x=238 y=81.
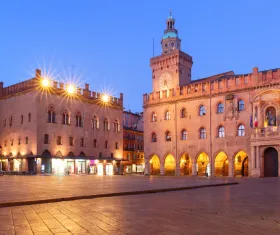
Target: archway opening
x=169 y=165
x=203 y=165
x=185 y=165
x=155 y=165
x=241 y=164
x=221 y=164
x=270 y=162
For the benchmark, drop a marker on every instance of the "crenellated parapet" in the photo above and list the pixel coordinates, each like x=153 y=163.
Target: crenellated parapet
x=56 y=88
x=215 y=85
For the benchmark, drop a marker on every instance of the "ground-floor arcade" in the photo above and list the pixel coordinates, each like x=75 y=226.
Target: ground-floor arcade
x=60 y=166
x=239 y=164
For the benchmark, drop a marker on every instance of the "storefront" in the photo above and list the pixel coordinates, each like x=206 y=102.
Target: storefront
x=70 y=166
x=58 y=166
x=109 y=169
x=81 y=167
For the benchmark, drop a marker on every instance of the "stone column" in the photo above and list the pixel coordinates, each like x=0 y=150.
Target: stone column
x=231 y=167
x=177 y=169
x=253 y=157
x=194 y=169
x=258 y=157
x=147 y=167
x=161 y=168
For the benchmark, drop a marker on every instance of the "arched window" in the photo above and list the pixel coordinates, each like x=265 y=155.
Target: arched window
x=154 y=117
x=46 y=138
x=106 y=124
x=202 y=133
x=95 y=123
x=221 y=132
x=220 y=108
x=241 y=105
x=10 y=121
x=65 y=118
x=116 y=126
x=241 y=130
x=154 y=137
x=167 y=136
x=51 y=114
x=79 y=122
x=202 y=110
x=29 y=117
x=167 y=115
x=183 y=113
x=184 y=135
x=21 y=119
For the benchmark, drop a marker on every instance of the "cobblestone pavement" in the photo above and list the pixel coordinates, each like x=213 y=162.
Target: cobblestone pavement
x=252 y=208
x=24 y=188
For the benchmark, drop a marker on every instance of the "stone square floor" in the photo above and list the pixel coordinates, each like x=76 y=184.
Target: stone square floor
x=251 y=207
x=25 y=188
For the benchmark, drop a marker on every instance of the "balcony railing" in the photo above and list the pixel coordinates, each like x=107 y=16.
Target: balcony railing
x=129 y=137
x=269 y=131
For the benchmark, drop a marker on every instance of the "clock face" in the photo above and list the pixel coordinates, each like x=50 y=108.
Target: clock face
x=165 y=81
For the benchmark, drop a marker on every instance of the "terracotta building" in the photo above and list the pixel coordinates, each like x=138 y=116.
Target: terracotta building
x=51 y=127
x=223 y=125
x=133 y=142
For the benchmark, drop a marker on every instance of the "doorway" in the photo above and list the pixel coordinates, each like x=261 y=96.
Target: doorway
x=270 y=162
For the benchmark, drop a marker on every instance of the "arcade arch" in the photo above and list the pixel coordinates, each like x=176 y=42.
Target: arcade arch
x=169 y=165
x=155 y=165
x=241 y=164
x=221 y=164
x=203 y=165
x=185 y=165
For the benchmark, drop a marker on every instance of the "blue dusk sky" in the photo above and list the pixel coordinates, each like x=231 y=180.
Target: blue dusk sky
x=109 y=43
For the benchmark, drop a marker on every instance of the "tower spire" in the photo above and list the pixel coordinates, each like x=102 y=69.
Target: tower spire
x=170 y=40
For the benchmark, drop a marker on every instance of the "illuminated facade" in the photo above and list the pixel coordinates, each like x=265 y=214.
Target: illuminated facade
x=224 y=125
x=133 y=142
x=51 y=127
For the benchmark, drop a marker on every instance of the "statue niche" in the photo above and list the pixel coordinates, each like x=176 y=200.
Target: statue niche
x=270 y=117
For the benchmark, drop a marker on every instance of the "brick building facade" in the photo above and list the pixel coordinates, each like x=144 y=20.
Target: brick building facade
x=133 y=142
x=223 y=125
x=51 y=127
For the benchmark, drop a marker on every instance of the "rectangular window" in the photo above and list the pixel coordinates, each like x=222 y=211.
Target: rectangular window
x=26 y=140
x=220 y=84
x=203 y=87
x=106 y=144
x=100 y=154
x=237 y=81
x=112 y=155
x=117 y=145
x=212 y=85
x=71 y=141
x=58 y=140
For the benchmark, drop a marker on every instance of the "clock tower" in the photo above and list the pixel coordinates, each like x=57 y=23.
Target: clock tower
x=173 y=67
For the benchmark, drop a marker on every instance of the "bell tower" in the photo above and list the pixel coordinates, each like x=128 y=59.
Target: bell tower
x=170 y=40
x=173 y=67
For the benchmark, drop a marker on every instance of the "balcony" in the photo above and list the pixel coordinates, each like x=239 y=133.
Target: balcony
x=129 y=149
x=266 y=132
x=129 y=137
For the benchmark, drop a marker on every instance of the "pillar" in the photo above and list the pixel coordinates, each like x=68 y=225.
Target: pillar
x=253 y=157
x=161 y=168
x=231 y=167
x=258 y=157
x=177 y=169
x=194 y=169
x=147 y=167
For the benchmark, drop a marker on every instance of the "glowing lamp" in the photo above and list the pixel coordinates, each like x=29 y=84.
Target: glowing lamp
x=71 y=89
x=105 y=98
x=45 y=82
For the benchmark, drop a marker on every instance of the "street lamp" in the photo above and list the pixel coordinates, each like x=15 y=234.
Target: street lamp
x=45 y=82
x=71 y=89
